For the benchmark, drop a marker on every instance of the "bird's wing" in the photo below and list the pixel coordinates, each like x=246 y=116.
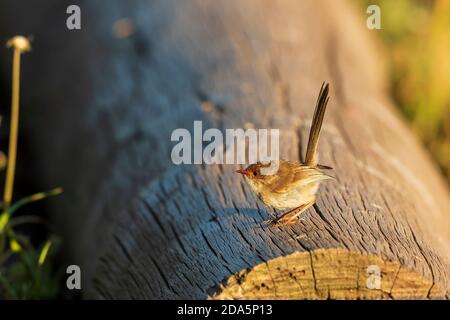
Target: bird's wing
x=297 y=177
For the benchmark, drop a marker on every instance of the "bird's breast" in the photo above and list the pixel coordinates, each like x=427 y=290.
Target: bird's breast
x=292 y=198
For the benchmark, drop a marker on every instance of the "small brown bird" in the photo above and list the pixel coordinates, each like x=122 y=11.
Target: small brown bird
x=294 y=185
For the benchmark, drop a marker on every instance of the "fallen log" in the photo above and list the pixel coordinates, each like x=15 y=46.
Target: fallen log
x=101 y=107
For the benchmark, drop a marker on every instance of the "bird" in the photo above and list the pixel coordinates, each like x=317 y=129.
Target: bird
x=295 y=184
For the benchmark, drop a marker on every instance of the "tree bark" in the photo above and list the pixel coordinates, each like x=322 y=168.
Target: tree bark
x=99 y=111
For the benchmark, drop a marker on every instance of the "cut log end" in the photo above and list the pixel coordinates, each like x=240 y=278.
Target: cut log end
x=328 y=274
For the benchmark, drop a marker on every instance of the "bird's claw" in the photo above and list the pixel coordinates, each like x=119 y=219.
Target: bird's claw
x=279 y=222
x=269 y=223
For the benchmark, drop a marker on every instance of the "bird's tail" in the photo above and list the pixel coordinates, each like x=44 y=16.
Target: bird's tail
x=316 y=125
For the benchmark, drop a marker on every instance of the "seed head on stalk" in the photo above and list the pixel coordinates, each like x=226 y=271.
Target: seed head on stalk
x=20 y=45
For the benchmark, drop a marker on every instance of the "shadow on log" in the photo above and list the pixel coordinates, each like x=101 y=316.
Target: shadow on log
x=101 y=109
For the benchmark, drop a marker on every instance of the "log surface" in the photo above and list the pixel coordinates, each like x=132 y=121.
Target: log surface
x=101 y=109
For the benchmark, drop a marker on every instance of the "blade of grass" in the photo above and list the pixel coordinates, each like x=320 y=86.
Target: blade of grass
x=44 y=252
x=32 y=198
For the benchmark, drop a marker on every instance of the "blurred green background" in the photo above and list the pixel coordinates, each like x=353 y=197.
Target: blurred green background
x=416 y=37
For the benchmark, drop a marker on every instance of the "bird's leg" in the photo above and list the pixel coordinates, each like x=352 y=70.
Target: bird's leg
x=290 y=216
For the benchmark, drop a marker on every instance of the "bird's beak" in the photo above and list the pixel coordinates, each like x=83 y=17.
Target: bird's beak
x=242 y=172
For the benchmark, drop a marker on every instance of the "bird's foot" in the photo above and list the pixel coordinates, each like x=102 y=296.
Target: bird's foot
x=289 y=217
x=280 y=222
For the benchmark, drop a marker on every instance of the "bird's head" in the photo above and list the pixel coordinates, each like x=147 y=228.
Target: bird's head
x=255 y=172
x=255 y=177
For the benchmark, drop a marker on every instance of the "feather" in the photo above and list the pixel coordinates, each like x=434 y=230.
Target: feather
x=316 y=125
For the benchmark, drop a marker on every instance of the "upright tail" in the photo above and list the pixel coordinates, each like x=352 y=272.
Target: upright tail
x=316 y=125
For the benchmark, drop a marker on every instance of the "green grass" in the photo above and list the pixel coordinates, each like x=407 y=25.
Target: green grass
x=25 y=277
x=25 y=272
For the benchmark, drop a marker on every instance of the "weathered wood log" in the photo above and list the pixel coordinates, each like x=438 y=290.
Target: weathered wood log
x=100 y=110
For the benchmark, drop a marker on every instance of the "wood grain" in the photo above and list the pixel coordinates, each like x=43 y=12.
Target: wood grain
x=100 y=111
x=327 y=274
